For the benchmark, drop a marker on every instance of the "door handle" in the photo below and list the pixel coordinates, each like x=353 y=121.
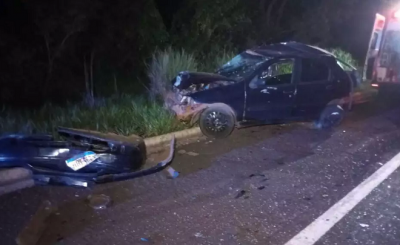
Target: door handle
x=264 y=91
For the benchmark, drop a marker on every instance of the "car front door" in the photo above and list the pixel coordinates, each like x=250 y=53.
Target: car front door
x=270 y=93
x=315 y=87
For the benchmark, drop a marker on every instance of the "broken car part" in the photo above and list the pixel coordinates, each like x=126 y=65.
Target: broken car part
x=84 y=158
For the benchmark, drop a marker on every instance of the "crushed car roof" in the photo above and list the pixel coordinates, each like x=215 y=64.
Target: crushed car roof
x=291 y=49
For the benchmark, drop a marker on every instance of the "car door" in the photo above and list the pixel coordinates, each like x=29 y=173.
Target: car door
x=315 y=87
x=270 y=93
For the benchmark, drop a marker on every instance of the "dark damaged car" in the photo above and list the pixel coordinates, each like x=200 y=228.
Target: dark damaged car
x=271 y=84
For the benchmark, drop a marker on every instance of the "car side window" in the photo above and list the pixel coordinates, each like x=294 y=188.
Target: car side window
x=278 y=73
x=313 y=70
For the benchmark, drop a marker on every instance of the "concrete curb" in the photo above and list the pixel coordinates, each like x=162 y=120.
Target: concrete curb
x=154 y=144
x=15 y=179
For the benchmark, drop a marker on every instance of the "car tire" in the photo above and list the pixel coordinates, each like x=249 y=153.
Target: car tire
x=217 y=122
x=330 y=117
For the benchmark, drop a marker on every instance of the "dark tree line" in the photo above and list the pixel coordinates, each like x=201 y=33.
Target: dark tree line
x=54 y=50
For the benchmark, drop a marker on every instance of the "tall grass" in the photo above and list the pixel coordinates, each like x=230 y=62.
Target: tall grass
x=164 y=66
x=217 y=60
x=125 y=115
x=344 y=56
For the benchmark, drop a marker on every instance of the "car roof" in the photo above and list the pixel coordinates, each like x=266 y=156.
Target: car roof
x=295 y=49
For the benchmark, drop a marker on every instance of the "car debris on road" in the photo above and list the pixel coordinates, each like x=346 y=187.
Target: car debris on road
x=84 y=158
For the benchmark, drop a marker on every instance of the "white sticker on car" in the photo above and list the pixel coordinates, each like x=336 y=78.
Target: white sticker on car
x=79 y=161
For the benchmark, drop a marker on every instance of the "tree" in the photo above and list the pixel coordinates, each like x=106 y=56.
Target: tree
x=57 y=23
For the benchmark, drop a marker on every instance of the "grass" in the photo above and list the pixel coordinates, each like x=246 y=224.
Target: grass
x=124 y=115
x=344 y=56
x=164 y=66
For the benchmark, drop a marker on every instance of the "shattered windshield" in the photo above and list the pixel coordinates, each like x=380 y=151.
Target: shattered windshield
x=242 y=65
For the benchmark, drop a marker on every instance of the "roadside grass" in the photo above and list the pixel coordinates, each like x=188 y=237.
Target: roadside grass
x=164 y=66
x=344 y=56
x=145 y=116
x=124 y=115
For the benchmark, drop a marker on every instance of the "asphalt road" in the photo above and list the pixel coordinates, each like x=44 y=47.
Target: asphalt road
x=263 y=185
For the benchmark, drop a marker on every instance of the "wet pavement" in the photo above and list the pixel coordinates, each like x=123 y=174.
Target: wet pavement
x=263 y=185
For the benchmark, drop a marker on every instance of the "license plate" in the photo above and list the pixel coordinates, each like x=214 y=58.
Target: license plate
x=79 y=161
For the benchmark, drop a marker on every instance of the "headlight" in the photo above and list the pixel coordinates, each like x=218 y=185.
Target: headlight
x=186 y=100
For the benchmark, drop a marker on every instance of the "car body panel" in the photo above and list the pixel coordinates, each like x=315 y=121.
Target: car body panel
x=118 y=157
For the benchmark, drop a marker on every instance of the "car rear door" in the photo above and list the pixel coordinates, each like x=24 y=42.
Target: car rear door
x=270 y=93
x=315 y=87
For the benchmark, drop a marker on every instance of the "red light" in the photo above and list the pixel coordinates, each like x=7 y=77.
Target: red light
x=396 y=14
x=381 y=23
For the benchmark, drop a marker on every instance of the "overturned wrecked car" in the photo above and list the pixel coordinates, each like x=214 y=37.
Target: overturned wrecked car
x=82 y=158
x=271 y=84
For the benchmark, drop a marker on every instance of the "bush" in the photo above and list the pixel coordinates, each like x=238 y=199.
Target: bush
x=220 y=59
x=164 y=66
x=344 y=56
x=124 y=115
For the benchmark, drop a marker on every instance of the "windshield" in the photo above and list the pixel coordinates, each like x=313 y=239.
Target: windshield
x=242 y=65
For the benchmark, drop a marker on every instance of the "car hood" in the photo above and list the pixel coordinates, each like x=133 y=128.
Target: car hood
x=186 y=79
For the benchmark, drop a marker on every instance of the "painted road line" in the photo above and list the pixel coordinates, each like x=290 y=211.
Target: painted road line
x=312 y=233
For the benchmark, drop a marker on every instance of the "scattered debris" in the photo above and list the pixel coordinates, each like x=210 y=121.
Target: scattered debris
x=182 y=152
x=364 y=225
x=172 y=173
x=99 y=201
x=32 y=232
x=261 y=188
x=254 y=175
x=280 y=161
x=199 y=235
x=240 y=194
x=144 y=239
x=307 y=198
x=325 y=195
x=193 y=154
x=380 y=163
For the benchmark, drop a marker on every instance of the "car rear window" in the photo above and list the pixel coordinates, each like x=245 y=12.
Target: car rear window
x=313 y=71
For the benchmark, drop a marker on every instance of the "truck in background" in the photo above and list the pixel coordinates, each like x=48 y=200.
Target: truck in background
x=382 y=65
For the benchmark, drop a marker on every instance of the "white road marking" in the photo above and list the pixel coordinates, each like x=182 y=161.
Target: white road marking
x=312 y=233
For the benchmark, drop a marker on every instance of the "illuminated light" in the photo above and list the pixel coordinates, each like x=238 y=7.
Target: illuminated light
x=381 y=23
x=375 y=85
x=396 y=14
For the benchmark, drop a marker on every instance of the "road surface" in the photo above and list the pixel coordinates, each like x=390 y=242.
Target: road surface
x=264 y=185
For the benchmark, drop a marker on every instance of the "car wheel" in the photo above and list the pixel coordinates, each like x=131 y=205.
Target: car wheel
x=330 y=117
x=217 y=121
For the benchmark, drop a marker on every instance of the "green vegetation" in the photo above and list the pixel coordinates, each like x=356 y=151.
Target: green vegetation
x=125 y=115
x=165 y=65
x=344 y=56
